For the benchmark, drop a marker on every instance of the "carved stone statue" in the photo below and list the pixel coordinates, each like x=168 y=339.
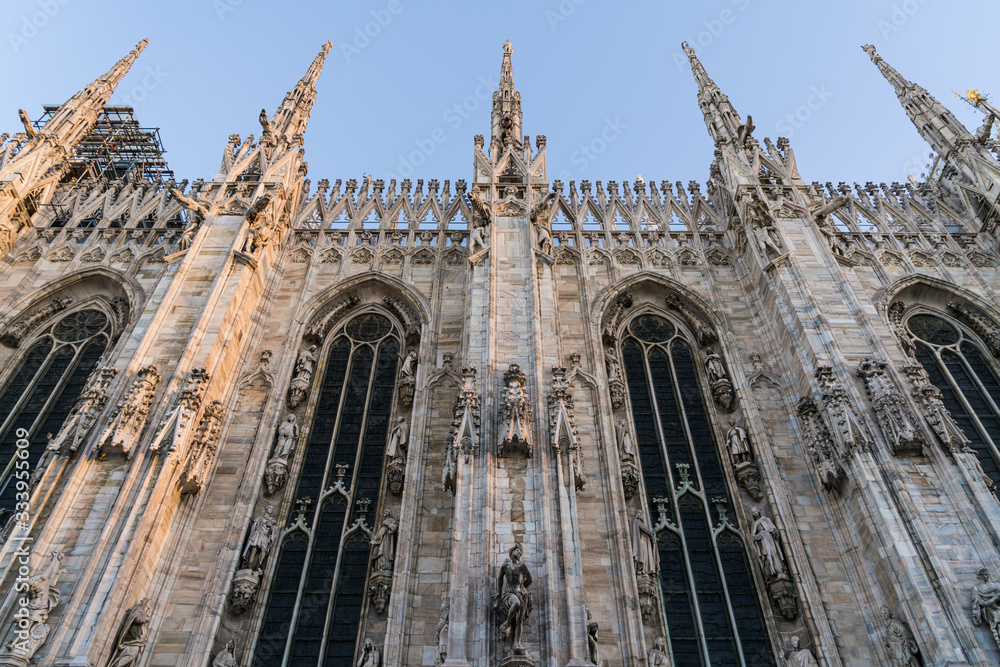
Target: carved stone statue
x=512 y=601
x=986 y=603
x=764 y=534
x=543 y=236
x=657 y=656
x=398 y=439
x=899 y=642
x=370 y=656
x=442 y=633
x=383 y=543
x=647 y=561
x=800 y=657
x=594 y=654
x=716 y=369
x=31 y=628
x=409 y=364
x=288 y=434
x=262 y=534
x=306 y=362
x=227 y=656
x=611 y=361
x=515 y=414
x=739 y=446
x=298 y=389
x=766 y=242
x=133 y=635
x=626 y=444
x=479 y=237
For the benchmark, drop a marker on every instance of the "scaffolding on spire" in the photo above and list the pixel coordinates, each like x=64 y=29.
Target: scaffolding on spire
x=116 y=147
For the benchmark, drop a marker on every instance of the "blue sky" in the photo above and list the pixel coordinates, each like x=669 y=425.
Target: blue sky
x=407 y=85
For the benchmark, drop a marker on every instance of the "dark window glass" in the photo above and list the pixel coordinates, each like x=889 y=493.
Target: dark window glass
x=710 y=601
x=44 y=389
x=347 y=440
x=967 y=382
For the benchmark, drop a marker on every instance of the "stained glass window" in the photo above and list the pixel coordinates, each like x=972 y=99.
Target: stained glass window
x=314 y=611
x=710 y=602
x=968 y=383
x=41 y=392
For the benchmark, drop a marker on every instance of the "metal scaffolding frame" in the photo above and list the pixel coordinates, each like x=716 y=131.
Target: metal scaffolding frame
x=116 y=147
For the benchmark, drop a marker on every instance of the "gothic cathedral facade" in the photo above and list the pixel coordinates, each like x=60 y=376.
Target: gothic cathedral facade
x=498 y=422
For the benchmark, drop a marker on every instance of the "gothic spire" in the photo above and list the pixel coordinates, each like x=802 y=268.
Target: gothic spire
x=724 y=123
x=936 y=124
x=293 y=113
x=506 y=114
x=74 y=118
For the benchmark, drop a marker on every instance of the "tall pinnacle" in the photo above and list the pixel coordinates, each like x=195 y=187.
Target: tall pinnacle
x=75 y=117
x=293 y=113
x=936 y=124
x=506 y=115
x=724 y=124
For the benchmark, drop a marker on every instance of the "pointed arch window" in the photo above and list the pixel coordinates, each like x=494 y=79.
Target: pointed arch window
x=711 y=605
x=314 y=611
x=39 y=395
x=968 y=381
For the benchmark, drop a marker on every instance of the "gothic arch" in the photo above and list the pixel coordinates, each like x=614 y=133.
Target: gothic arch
x=952 y=341
x=710 y=588
x=351 y=461
x=88 y=286
x=369 y=286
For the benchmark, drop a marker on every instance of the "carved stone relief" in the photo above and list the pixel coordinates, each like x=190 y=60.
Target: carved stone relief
x=130 y=643
x=202 y=451
x=23 y=325
x=847 y=429
x=895 y=419
x=562 y=426
x=821 y=447
x=771 y=559
x=37 y=600
x=463 y=439
x=86 y=411
x=129 y=417
x=701 y=330
x=515 y=415
x=899 y=642
x=741 y=456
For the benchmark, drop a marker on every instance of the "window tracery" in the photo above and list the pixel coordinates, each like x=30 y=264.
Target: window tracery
x=314 y=609
x=956 y=364
x=710 y=602
x=40 y=394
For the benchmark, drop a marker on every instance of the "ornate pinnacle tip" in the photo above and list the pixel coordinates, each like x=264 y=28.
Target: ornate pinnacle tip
x=870 y=50
x=508 y=48
x=326 y=47
x=141 y=45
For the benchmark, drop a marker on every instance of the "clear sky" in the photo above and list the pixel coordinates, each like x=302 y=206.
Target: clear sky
x=407 y=84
